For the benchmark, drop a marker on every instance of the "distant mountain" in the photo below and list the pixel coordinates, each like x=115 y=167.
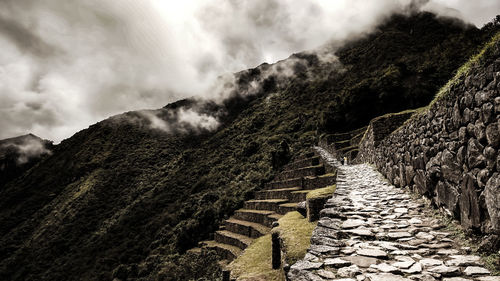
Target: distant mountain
x=128 y=196
x=18 y=154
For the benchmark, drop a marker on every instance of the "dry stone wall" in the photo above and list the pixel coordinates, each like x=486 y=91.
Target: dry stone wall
x=450 y=152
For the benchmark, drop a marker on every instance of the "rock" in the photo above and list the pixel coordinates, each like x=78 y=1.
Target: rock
x=423 y=277
x=447 y=197
x=425 y=235
x=403 y=264
x=456 y=279
x=493 y=135
x=487 y=112
x=401 y=210
x=475 y=159
x=415 y=268
x=325 y=241
x=361 y=261
x=305 y=265
x=302 y=208
x=490 y=153
x=324 y=250
x=361 y=232
x=450 y=167
x=350 y=223
x=488 y=278
x=330 y=223
x=336 y=262
x=492 y=198
x=463 y=260
x=386 y=277
x=384 y=267
x=326 y=274
x=398 y=235
x=415 y=221
x=479 y=130
x=470 y=215
x=447 y=252
x=372 y=253
x=490 y=244
x=349 y=271
x=445 y=270
x=331 y=213
x=430 y=262
x=476 y=270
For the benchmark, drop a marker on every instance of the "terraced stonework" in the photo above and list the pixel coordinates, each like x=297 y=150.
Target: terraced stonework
x=279 y=197
x=370 y=230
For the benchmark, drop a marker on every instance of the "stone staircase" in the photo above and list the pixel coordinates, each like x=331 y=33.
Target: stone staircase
x=280 y=196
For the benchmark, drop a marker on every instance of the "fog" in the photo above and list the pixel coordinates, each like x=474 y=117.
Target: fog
x=65 y=65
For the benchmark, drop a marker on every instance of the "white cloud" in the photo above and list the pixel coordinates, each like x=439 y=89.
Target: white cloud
x=67 y=64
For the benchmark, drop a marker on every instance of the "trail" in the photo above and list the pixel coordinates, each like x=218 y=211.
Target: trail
x=370 y=230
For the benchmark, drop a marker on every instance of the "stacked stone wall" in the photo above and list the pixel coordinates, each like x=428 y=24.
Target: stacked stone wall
x=450 y=152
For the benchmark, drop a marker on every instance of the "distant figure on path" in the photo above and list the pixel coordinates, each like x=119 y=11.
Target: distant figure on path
x=345 y=160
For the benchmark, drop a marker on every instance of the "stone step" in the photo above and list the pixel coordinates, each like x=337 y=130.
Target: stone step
x=231 y=238
x=258 y=216
x=307 y=162
x=309 y=182
x=225 y=251
x=319 y=182
x=281 y=193
x=297 y=182
x=302 y=172
x=250 y=229
x=287 y=207
x=298 y=196
x=268 y=204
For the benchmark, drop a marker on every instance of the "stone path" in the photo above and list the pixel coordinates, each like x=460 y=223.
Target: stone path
x=370 y=230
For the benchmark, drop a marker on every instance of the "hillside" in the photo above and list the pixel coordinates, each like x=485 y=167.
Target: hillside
x=19 y=154
x=126 y=197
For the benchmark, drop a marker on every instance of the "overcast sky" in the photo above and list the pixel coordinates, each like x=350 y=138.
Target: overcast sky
x=65 y=65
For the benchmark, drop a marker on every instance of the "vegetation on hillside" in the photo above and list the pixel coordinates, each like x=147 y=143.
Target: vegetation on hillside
x=122 y=199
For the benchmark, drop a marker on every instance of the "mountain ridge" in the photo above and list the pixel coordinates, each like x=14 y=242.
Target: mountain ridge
x=122 y=197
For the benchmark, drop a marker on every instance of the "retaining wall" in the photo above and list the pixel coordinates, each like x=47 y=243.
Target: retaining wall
x=450 y=151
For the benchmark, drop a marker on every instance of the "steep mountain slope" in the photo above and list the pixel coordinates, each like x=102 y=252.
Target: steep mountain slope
x=19 y=154
x=124 y=197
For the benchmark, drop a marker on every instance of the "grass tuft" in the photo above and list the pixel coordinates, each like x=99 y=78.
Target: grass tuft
x=255 y=262
x=321 y=192
x=296 y=231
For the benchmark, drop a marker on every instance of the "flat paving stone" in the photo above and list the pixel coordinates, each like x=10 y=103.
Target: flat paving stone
x=476 y=270
x=374 y=253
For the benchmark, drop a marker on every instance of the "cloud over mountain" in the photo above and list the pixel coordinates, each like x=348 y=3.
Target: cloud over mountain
x=67 y=64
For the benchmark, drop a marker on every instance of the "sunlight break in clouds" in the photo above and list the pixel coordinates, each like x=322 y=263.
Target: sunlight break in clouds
x=67 y=64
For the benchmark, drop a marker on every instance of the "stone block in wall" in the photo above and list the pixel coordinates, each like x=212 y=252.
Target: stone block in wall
x=422 y=182
x=470 y=215
x=475 y=158
x=447 y=197
x=450 y=168
x=314 y=207
x=493 y=134
x=492 y=198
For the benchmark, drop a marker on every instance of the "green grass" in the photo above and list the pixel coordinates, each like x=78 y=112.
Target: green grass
x=255 y=262
x=296 y=231
x=464 y=70
x=321 y=192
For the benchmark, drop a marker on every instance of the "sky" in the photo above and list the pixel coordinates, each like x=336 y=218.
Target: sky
x=65 y=65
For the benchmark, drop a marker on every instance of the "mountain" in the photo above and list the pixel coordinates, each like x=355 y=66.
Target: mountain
x=19 y=154
x=128 y=196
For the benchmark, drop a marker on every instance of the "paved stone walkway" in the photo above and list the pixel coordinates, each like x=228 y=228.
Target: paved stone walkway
x=370 y=230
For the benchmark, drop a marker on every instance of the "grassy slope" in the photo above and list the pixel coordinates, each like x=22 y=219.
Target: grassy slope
x=121 y=197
